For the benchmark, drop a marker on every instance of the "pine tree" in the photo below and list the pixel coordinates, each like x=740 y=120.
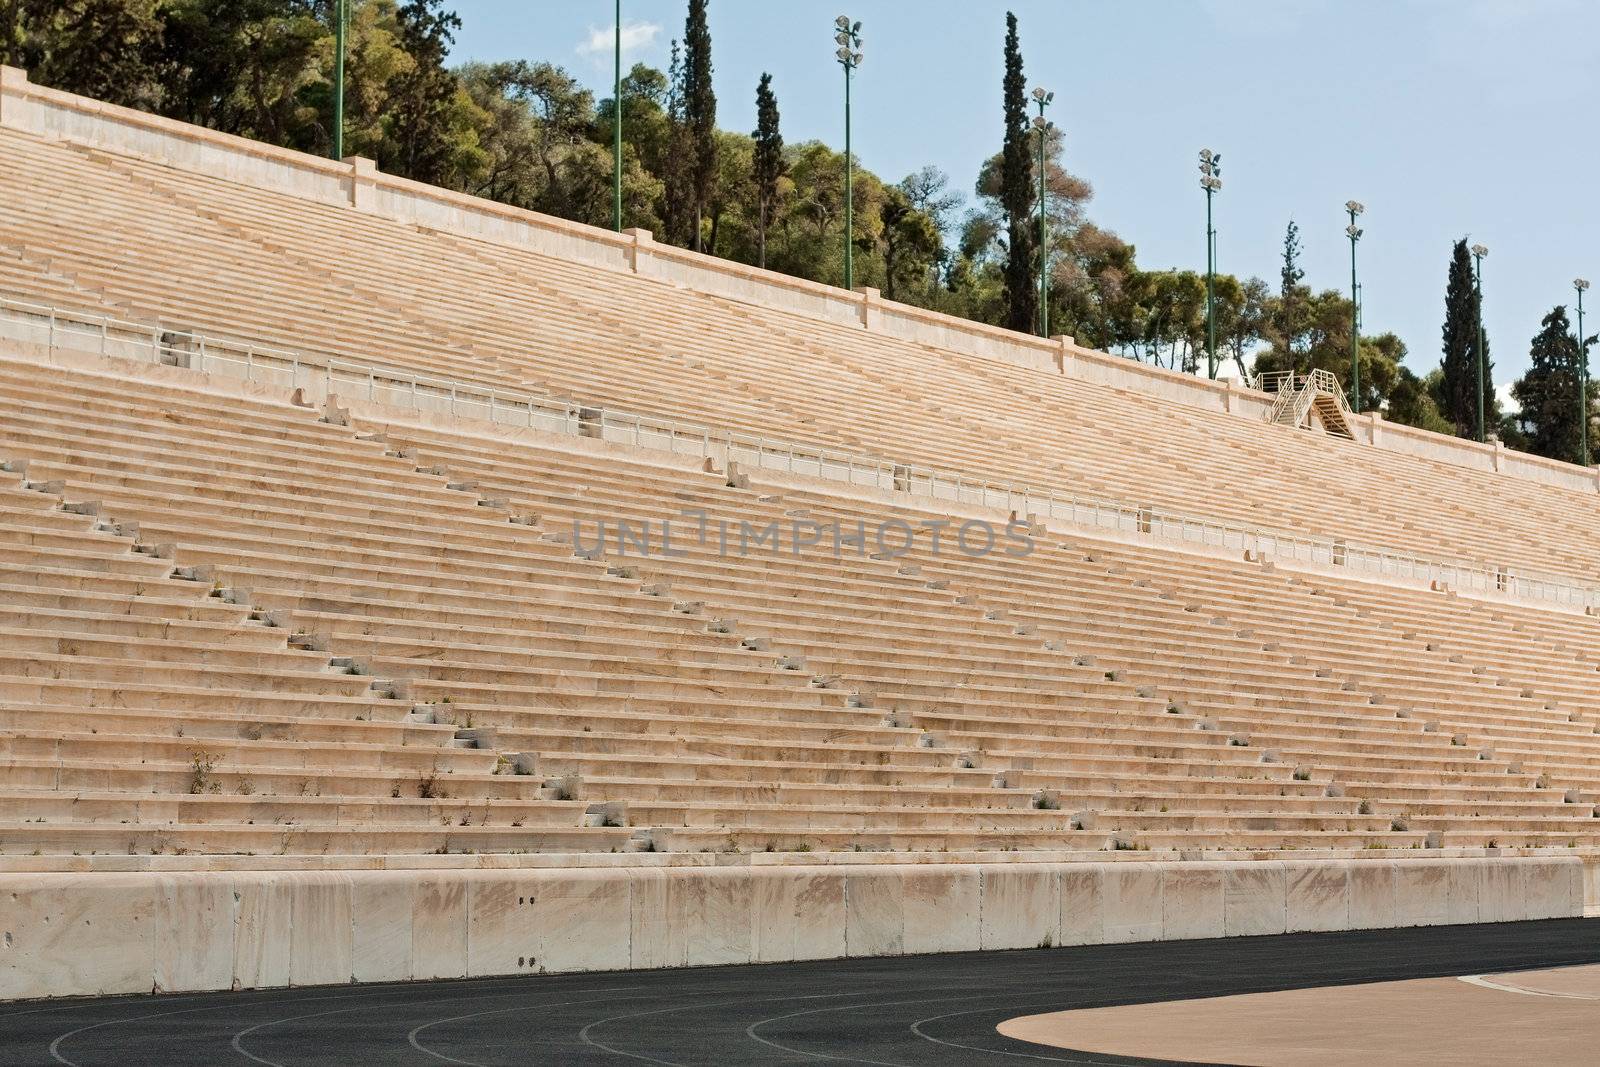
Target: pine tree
x=1458 y=399
x=699 y=113
x=1291 y=306
x=768 y=164
x=1016 y=191
x=1548 y=392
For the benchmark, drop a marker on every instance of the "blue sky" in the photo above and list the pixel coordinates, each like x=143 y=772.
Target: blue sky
x=1445 y=117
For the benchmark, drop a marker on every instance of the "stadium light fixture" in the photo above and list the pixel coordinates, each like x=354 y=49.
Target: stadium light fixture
x=847 y=36
x=341 y=26
x=1044 y=98
x=1478 y=252
x=1352 y=231
x=1211 y=182
x=1582 y=286
x=616 y=130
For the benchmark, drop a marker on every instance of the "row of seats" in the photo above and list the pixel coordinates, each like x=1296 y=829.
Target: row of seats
x=90 y=227
x=233 y=627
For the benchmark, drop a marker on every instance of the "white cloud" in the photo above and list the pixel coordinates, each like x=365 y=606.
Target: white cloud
x=635 y=36
x=1508 y=403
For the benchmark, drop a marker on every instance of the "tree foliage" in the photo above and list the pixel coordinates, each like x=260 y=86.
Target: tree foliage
x=1015 y=192
x=1458 y=396
x=1548 y=421
x=767 y=163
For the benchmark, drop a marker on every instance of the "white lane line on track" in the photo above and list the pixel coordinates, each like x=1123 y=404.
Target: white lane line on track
x=752 y=1029
x=588 y=1040
x=55 y=1046
x=916 y=1028
x=1503 y=987
x=411 y=1038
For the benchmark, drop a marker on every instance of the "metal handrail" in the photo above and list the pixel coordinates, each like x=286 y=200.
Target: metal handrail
x=311 y=373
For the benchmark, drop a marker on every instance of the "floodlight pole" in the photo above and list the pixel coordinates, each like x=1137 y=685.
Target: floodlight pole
x=1354 y=233
x=1043 y=98
x=1211 y=289
x=1583 y=380
x=849 y=191
x=616 y=135
x=341 y=17
x=1478 y=252
x=1211 y=181
x=848 y=36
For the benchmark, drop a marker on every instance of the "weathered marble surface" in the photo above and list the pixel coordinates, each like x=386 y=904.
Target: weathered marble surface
x=87 y=933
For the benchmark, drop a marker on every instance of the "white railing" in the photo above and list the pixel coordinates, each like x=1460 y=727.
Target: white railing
x=319 y=376
x=1300 y=390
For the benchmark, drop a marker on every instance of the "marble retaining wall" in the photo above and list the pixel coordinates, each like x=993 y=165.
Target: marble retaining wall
x=76 y=934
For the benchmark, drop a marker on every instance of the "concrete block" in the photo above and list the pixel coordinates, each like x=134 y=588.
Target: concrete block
x=1461 y=889
x=1191 y=901
x=718 y=905
x=383 y=911
x=941 y=908
x=798 y=914
x=76 y=934
x=874 y=912
x=321 y=943
x=1499 y=891
x=195 y=916
x=439 y=927
x=261 y=933
x=1551 y=889
x=1372 y=894
x=1082 y=890
x=1422 y=893
x=1255 y=899
x=1020 y=907
x=1318 y=897
x=1132 y=902
x=578 y=921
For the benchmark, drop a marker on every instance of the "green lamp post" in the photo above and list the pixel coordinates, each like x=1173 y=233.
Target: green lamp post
x=341 y=24
x=1583 y=378
x=847 y=36
x=1211 y=181
x=1478 y=252
x=1353 y=232
x=616 y=131
x=1043 y=98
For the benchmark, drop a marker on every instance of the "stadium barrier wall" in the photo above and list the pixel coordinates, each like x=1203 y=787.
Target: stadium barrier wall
x=107 y=933
x=357 y=183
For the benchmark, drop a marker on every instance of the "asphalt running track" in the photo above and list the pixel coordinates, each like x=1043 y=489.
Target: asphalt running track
x=906 y=1011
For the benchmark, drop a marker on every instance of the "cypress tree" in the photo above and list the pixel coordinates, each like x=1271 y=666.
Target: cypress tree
x=676 y=208
x=767 y=162
x=1458 y=398
x=699 y=113
x=1548 y=392
x=1291 y=309
x=1016 y=191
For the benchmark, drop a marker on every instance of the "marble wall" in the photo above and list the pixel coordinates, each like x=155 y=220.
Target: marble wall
x=89 y=933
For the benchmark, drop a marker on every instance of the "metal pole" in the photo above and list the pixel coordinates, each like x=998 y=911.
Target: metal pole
x=849 y=189
x=616 y=140
x=341 y=16
x=1477 y=262
x=1355 y=324
x=1044 y=234
x=1211 y=306
x=1043 y=97
x=1583 y=380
